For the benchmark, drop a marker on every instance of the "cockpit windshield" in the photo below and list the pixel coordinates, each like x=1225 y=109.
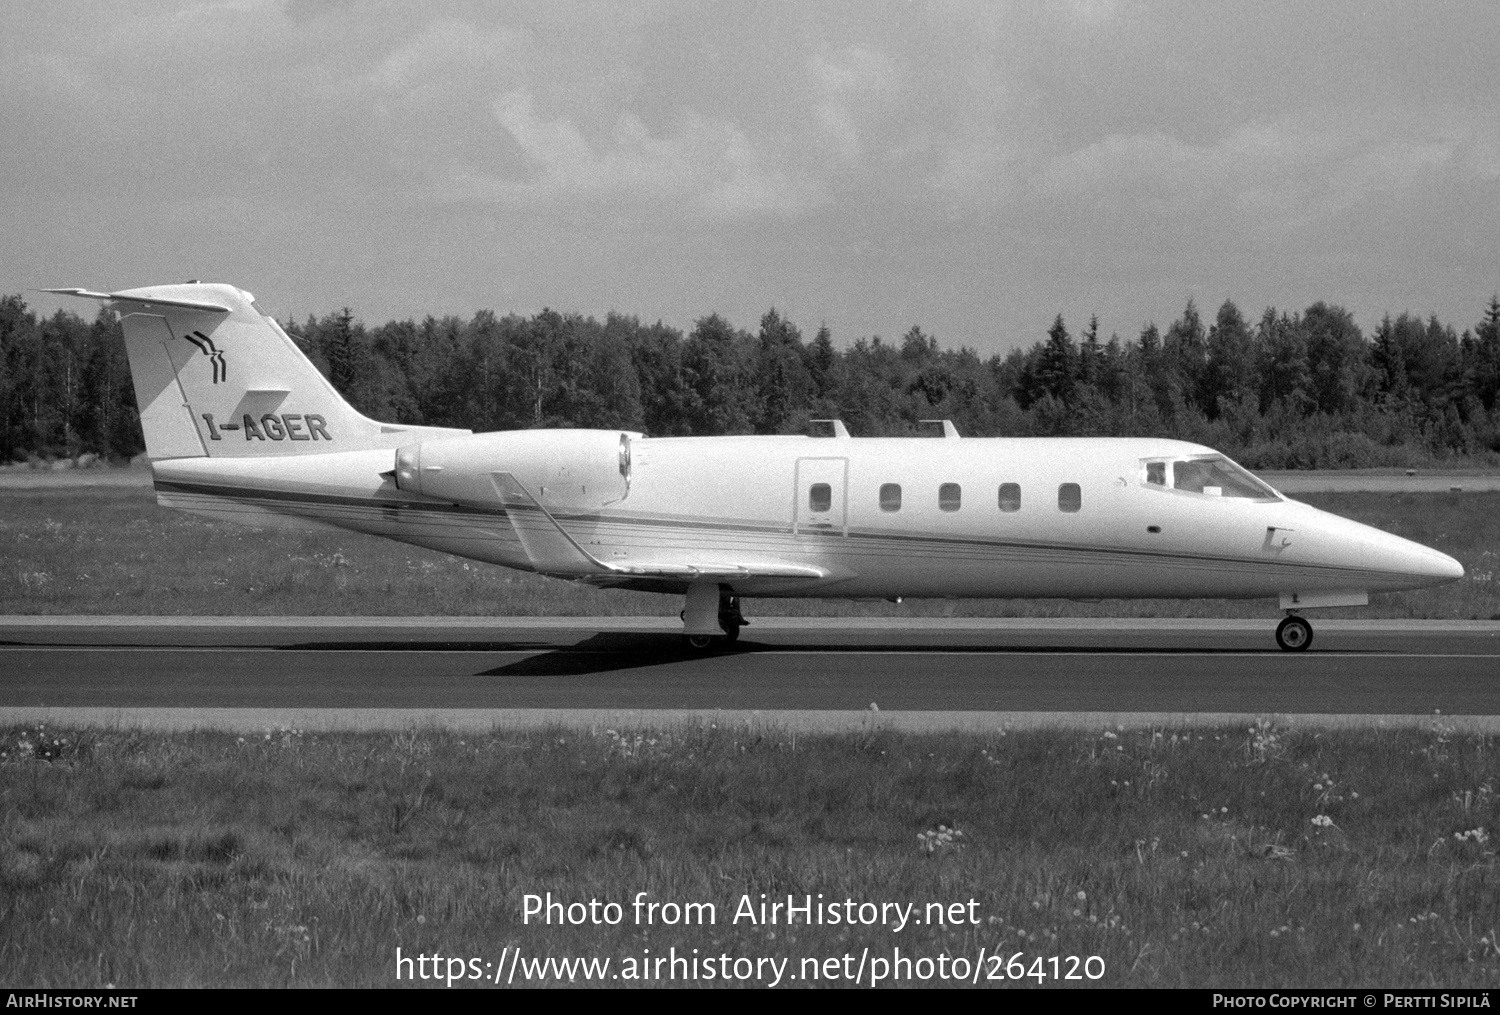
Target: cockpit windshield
x=1212 y=475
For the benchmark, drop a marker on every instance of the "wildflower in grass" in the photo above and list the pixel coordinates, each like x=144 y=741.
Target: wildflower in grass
x=1264 y=744
x=940 y=839
x=1322 y=821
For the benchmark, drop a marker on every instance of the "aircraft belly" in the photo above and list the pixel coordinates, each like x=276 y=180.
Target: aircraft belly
x=487 y=537
x=911 y=566
x=237 y=511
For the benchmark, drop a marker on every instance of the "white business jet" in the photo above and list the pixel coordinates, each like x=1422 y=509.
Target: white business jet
x=240 y=425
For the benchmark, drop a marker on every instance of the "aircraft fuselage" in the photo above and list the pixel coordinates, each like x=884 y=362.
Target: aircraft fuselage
x=1038 y=517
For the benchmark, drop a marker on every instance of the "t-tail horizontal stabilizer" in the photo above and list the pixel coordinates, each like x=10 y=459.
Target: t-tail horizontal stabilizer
x=145 y=302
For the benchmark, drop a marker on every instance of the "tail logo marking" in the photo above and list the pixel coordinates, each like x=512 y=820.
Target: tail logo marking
x=286 y=426
x=215 y=356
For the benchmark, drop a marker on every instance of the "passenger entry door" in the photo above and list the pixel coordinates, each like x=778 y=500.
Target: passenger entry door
x=821 y=506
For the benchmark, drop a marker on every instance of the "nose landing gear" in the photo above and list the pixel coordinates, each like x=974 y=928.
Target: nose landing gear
x=1294 y=634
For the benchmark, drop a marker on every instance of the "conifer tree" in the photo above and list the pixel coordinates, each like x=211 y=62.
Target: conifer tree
x=1057 y=367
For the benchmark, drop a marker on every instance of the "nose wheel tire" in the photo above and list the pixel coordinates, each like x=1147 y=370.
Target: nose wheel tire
x=1294 y=634
x=699 y=642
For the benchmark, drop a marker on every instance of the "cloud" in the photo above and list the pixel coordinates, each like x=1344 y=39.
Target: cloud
x=851 y=83
x=1286 y=174
x=446 y=48
x=1093 y=13
x=709 y=166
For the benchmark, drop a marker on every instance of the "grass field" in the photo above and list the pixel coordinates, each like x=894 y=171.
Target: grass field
x=1248 y=856
x=111 y=550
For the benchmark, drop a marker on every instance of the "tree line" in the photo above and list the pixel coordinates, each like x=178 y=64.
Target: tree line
x=1291 y=390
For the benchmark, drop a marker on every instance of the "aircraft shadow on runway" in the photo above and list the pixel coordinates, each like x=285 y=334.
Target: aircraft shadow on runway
x=605 y=653
x=616 y=651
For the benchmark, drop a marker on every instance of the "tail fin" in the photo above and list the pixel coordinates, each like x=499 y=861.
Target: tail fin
x=214 y=377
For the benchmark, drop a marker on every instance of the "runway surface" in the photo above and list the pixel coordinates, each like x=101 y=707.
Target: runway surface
x=979 y=669
x=1381 y=481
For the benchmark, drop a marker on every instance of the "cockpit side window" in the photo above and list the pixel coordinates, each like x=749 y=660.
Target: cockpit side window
x=1218 y=477
x=1209 y=475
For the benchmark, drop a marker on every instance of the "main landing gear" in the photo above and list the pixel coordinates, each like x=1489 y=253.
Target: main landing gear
x=1294 y=634
x=712 y=616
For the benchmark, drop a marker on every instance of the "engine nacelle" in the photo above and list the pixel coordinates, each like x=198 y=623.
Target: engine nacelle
x=561 y=468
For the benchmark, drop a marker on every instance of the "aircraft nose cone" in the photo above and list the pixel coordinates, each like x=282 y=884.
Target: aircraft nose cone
x=1447 y=567
x=1422 y=565
x=1425 y=562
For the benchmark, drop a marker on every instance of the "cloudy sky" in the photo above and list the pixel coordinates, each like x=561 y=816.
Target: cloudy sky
x=975 y=168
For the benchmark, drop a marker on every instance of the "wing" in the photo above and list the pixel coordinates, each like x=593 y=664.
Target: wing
x=553 y=551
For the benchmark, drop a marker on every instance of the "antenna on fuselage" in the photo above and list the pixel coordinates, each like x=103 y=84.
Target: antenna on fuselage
x=840 y=431
x=950 y=432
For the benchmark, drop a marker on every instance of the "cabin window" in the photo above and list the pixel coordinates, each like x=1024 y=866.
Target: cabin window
x=819 y=498
x=1069 y=497
x=1010 y=496
x=890 y=496
x=950 y=497
x=1156 y=473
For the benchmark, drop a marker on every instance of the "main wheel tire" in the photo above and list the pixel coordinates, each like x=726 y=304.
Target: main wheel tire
x=1294 y=634
x=699 y=642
